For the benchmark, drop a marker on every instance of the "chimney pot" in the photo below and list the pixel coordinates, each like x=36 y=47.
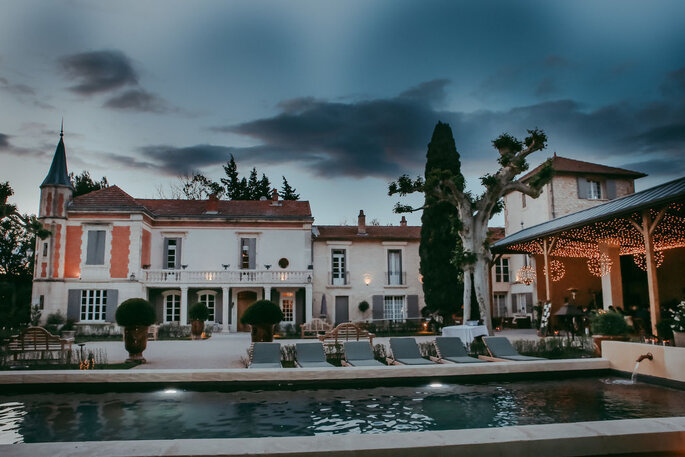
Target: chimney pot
x=274 y=195
x=213 y=204
x=403 y=222
x=361 y=223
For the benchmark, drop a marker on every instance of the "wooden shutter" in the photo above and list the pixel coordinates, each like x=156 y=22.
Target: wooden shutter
x=377 y=307
x=91 y=248
x=112 y=304
x=178 y=253
x=165 y=254
x=583 y=188
x=413 y=306
x=299 y=307
x=74 y=304
x=611 y=188
x=252 y=252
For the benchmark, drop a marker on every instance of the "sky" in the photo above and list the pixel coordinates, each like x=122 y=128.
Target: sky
x=339 y=97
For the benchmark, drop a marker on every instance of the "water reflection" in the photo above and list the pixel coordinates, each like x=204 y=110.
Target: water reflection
x=181 y=414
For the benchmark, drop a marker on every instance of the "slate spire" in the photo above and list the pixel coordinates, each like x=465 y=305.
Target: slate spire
x=58 y=174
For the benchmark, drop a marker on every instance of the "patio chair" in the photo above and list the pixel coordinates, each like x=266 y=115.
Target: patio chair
x=311 y=355
x=405 y=351
x=500 y=347
x=359 y=354
x=451 y=349
x=266 y=355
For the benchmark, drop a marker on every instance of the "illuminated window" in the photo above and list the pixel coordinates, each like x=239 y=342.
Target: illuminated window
x=288 y=306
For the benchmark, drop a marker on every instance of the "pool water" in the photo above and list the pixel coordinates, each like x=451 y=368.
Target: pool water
x=174 y=413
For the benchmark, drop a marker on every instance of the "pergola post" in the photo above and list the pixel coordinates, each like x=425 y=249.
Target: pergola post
x=545 y=252
x=652 y=282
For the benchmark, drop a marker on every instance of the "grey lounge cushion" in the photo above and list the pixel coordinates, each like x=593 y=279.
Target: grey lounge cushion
x=500 y=347
x=452 y=349
x=406 y=351
x=464 y=360
x=311 y=355
x=266 y=355
x=359 y=354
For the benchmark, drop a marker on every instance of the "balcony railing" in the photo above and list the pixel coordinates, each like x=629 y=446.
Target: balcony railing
x=227 y=277
x=339 y=278
x=395 y=278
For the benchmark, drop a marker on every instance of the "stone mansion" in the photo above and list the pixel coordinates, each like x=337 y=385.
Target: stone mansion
x=107 y=246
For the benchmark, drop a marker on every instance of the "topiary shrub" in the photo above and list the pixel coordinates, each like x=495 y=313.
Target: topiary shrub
x=609 y=323
x=199 y=312
x=363 y=306
x=135 y=312
x=262 y=312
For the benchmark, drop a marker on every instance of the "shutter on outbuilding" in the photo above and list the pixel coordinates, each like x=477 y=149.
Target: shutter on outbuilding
x=165 y=252
x=74 y=304
x=112 y=304
x=252 y=250
x=611 y=188
x=178 y=252
x=413 y=306
x=583 y=188
x=377 y=307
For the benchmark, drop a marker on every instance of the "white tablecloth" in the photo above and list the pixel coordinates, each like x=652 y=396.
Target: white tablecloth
x=467 y=333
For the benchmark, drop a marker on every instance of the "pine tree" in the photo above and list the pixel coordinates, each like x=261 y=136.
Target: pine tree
x=263 y=188
x=84 y=184
x=253 y=185
x=287 y=192
x=232 y=182
x=439 y=249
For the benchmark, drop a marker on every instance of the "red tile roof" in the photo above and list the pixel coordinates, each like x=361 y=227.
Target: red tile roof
x=114 y=199
x=495 y=234
x=373 y=232
x=564 y=165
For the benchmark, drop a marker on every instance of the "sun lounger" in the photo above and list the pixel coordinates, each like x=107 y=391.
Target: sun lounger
x=360 y=354
x=266 y=355
x=451 y=349
x=500 y=347
x=311 y=355
x=405 y=351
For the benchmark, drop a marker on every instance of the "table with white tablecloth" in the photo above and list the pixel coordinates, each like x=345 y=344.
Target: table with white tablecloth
x=467 y=333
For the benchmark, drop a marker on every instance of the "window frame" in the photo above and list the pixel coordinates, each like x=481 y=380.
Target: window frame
x=176 y=307
x=96 y=255
x=391 y=305
x=395 y=279
x=212 y=309
x=93 y=305
x=502 y=273
x=287 y=297
x=594 y=189
x=339 y=274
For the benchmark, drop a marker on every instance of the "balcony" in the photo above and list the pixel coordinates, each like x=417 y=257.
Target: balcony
x=191 y=277
x=395 y=278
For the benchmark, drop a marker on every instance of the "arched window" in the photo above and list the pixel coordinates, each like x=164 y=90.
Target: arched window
x=172 y=307
x=208 y=297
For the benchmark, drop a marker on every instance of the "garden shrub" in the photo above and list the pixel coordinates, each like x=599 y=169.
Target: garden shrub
x=609 y=323
x=134 y=312
x=199 y=312
x=556 y=347
x=262 y=312
x=173 y=330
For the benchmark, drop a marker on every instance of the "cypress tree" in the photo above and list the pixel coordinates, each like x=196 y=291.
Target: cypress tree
x=288 y=192
x=440 y=248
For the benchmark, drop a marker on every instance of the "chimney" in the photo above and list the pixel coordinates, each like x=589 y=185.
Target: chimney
x=361 y=223
x=274 y=195
x=212 y=204
x=403 y=222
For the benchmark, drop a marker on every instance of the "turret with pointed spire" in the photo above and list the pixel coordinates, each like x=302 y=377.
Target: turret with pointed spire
x=56 y=190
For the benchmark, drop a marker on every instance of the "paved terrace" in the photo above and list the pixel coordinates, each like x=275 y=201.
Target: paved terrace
x=222 y=350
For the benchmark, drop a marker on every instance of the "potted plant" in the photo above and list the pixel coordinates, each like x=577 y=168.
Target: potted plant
x=262 y=315
x=135 y=315
x=199 y=313
x=678 y=324
x=363 y=307
x=608 y=325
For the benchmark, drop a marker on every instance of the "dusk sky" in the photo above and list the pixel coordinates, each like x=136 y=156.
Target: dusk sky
x=340 y=97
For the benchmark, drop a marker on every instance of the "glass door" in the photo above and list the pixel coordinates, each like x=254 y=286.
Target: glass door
x=338 y=267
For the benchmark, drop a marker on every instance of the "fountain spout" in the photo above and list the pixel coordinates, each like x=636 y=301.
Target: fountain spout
x=645 y=356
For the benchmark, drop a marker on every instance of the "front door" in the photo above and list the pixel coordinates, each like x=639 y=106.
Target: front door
x=342 y=309
x=245 y=299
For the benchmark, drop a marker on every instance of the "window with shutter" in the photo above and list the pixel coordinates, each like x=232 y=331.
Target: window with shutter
x=95 y=250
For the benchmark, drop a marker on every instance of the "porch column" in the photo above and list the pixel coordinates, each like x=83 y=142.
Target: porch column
x=267 y=293
x=652 y=283
x=234 y=313
x=224 y=307
x=184 y=305
x=308 y=302
x=612 y=287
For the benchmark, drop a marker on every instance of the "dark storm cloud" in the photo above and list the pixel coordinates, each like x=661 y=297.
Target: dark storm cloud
x=139 y=100
x=16 y=89
x=4 y=141
x=99 y=71
x=674 y=83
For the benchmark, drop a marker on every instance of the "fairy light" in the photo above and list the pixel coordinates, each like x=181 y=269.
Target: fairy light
x=600 y=265
x=641 y=260
x=557 y=270
x=526 y=275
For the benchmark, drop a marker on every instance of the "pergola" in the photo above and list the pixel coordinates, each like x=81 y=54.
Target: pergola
x=643 y=224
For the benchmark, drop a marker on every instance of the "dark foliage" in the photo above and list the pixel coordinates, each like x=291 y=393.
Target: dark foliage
x=199 y=312
x=288 y=192
x=84 y=184
x=134 y=312
x=262 y=312
x=609 y=323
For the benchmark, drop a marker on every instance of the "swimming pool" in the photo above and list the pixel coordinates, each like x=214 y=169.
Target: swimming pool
x=172 y=413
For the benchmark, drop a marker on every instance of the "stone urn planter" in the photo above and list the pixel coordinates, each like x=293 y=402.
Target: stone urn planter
x=679 y=339
x=608 y=326
x=135 y=315
x=262 y=315
x=199 y=313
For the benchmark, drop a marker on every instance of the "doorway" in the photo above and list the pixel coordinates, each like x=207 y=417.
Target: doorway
x=245 y=299
x=342 y=309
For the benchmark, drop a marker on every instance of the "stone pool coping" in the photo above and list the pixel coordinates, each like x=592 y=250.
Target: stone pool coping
x=648 y=436
x=297 y=375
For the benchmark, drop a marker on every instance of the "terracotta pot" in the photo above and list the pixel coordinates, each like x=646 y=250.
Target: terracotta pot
x=263 y=333
x=597 y=339
x=196 y=329
x=135 y=341
x=679 y=339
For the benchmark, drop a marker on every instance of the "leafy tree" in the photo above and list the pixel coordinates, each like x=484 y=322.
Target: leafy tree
x=475 y=212
x=84 y=184
x=440 y=248
x=288 y=192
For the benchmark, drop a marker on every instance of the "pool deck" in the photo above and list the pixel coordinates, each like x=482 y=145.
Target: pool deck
x=653 y=437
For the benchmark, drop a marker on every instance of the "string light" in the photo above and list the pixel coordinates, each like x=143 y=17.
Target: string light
x=640 y=259
x=557 y=270
x=526 y=275
x=600 y=265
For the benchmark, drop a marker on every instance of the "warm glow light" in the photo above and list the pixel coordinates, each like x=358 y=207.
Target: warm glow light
x=367 y=279
x=557 y=270
x=436 y=385
x=526 y=275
